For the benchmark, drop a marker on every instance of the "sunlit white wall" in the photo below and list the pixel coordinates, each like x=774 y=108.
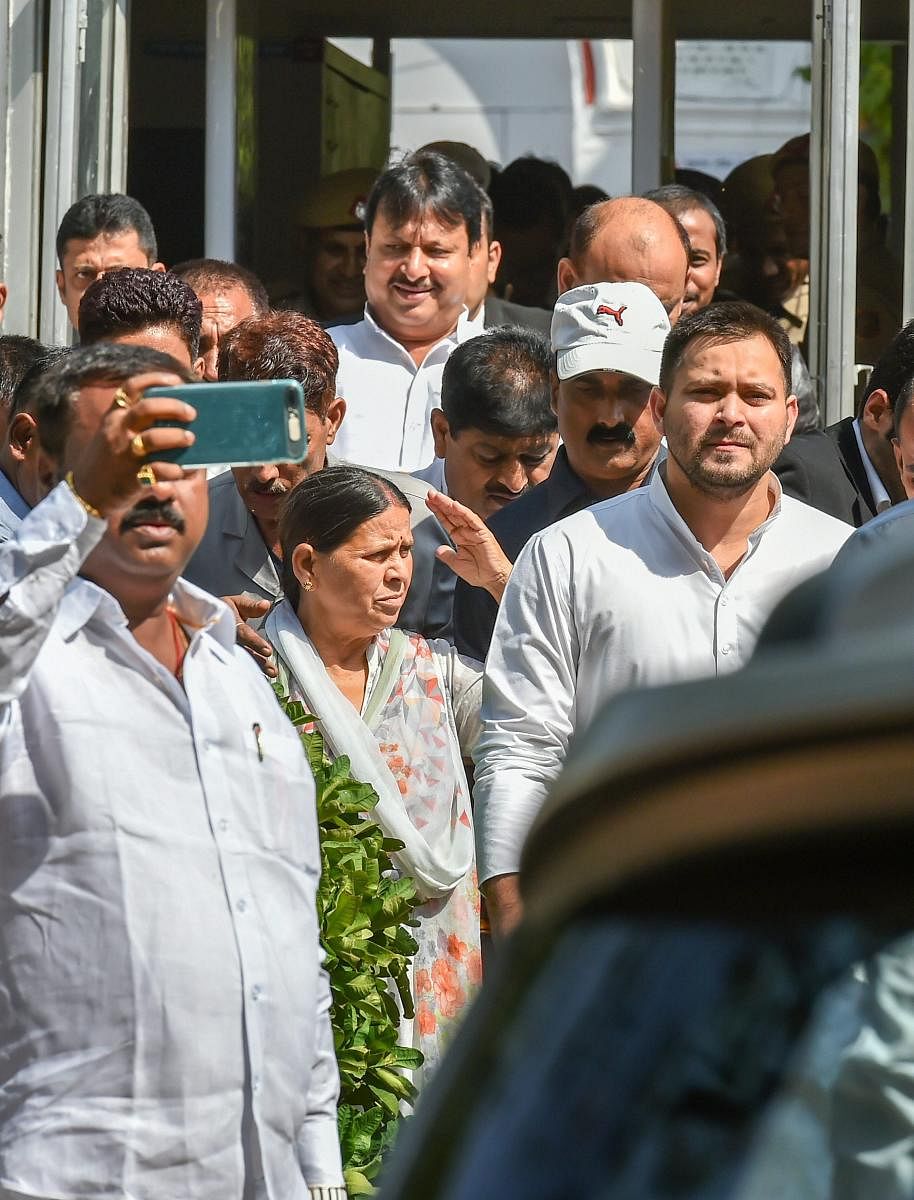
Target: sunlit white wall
x=733 y=100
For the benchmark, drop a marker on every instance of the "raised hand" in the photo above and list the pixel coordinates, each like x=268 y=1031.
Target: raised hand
x=476 y=555
x=109 y=471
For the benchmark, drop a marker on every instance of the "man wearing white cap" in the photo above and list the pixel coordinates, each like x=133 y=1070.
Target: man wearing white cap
x=670 y=581
x=607 y=339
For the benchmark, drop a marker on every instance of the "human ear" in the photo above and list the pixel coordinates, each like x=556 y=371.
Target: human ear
x=566 y=275
x=336 y=410
x=877 y=412
x=303 y=564
x=440 y=431
x=657 y=402
x=20 y=435
x=494 y=261
x=793 y=411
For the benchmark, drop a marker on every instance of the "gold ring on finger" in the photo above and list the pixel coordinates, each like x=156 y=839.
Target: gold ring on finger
x=138 y=446
x=121 y=399
x=146 y=477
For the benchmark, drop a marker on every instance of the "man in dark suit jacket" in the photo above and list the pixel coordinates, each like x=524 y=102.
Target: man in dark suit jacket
x=485 y=258
x=849 y=470
x=503 y=312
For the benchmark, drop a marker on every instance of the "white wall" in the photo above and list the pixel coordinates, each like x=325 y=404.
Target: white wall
x=505 y=98
x=734 y=100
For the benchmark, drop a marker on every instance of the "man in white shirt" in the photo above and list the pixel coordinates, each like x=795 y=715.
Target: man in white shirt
x=165 y=1028
x=423 y=220
x=667 y=582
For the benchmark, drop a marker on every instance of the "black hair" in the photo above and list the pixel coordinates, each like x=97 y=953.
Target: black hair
x=18 y=357
x=109 y=213
x=894 y=371
x=677 y=199
x=529 y=192
x=488 y=216
x=500 y=383
x=727 y=321
x=426 y=182
x=217 y=275
x=700 y=181
x=583 y=196
x=51 y=394
x=902 y=402
x=131 y=299
x=326 y=509
x=50 y=357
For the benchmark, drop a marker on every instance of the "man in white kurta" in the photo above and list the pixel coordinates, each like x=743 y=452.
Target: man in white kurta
x=423 y=221
x=164 y=1019
x=669 y=582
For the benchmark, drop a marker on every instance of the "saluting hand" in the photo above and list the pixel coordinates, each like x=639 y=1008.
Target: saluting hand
x=476 y=555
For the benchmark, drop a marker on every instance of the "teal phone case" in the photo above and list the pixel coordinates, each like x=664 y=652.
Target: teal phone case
x=240 y=424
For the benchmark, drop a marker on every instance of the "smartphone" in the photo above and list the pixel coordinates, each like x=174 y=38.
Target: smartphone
x=240 y=424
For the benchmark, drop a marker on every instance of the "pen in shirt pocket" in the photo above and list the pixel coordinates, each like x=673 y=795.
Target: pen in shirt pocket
x=258 y=739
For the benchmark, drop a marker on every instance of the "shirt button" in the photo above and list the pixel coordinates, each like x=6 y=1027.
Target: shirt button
x=725 y=649
x=255 y=1084
x=242 y=905
x=223 y=825
x=723 y=601
x=256 y=991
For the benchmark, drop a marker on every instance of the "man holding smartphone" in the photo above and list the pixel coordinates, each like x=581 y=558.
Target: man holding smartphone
x=166 y=1028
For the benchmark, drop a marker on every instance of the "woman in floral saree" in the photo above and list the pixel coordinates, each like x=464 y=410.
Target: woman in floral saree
x=403 y=709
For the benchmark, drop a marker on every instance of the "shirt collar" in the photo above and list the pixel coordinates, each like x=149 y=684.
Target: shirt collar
x=11 y=497
x=881 y=497
x=662 y=501
x=466 y=328
x=84 y=602
x=236 y=515
x=567 y=487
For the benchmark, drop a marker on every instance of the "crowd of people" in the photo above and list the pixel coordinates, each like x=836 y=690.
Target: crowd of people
x=558 y=446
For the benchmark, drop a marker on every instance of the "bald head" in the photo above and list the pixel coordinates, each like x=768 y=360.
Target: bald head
x=629 y=240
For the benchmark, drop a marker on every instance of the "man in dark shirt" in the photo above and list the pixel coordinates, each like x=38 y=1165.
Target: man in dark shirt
x=608 y=339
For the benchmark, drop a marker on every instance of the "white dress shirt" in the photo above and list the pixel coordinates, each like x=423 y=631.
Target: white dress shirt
x=881 y=497
x=389 y=400
x=617 y=596
x=160 y=978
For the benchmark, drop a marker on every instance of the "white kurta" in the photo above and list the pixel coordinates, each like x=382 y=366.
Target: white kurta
x=618 y=596
x=160 y=973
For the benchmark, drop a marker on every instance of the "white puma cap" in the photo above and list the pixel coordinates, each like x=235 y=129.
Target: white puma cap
x=609 y=327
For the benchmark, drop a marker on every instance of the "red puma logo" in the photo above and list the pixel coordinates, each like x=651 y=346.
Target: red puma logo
x=615 y=313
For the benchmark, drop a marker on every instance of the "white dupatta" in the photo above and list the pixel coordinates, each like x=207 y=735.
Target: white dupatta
x=437 y=856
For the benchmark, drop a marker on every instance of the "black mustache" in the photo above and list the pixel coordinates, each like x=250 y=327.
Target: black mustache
x=622 y=432
x=275 y=487
x=158 y=512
